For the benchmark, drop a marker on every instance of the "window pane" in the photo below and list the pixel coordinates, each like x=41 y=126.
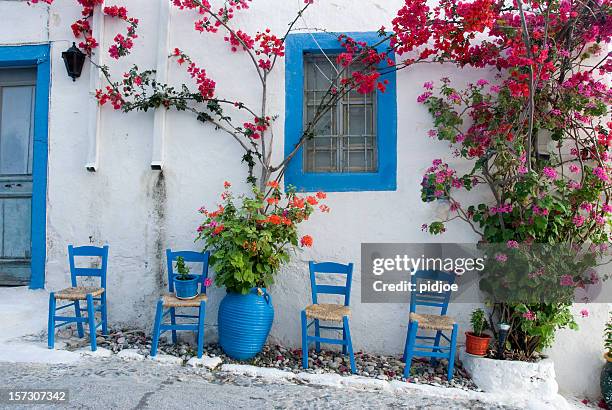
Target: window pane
x=16 y=129
x=345 y=139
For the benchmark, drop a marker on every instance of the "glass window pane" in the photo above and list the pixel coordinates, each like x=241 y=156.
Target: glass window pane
x=16 y=129
x=345 y=139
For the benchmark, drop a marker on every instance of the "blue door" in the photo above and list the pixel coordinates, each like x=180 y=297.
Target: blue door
x=17 y=107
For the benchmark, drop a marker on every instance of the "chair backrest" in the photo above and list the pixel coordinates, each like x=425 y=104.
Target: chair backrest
x=431 y=299
x=331 y=268
x=188 y=256
x=88 y=252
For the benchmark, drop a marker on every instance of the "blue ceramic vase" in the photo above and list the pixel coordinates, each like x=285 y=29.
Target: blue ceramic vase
x=245 y=322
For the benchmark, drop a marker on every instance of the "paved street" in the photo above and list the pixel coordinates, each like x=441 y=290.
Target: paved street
x=115 y=384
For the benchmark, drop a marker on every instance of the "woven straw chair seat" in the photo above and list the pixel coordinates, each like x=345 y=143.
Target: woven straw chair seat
x=328 y=311
x=433 y=322
x=78 y=293
x=169 y=300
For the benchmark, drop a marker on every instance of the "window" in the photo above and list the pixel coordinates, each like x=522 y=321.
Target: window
x=345 y=138
x=354 y=144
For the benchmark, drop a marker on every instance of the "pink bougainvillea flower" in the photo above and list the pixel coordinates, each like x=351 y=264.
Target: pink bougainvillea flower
x=501 y=257
x=423 y=97
x=529 y=315
x=584 y=313
x=207 y=282
x=578 y=220
x=512 y=244
x=550 y=173
x=600 y=173
x=566 y=280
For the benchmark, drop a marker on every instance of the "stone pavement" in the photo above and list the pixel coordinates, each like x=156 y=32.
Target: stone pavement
x=116 y=384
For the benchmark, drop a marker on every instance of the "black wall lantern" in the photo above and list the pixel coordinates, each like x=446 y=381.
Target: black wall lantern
x=74 y=60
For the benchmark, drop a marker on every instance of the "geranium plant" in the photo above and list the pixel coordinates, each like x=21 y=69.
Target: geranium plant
x=251 y=237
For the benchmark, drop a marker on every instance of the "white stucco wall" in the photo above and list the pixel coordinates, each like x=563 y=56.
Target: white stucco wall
x=141 y=212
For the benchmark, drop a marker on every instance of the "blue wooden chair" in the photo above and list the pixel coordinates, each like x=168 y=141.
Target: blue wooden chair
x=95 y=296
x=170 y=302
x=328 y=312
x=438 y=323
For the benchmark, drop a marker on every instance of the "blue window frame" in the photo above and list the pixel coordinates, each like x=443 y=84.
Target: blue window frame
x=386 y=120
x=36 y=56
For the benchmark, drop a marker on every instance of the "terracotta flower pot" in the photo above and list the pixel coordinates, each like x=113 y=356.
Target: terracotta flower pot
x=606 y=380
x=476 y=345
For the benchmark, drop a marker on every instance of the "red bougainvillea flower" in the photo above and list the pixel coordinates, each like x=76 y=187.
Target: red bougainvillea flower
x=306 y=241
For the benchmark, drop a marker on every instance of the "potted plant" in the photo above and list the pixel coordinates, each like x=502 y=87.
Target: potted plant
x=606 y=373
x=251 y=237
x=185 y=285
x=477 y=342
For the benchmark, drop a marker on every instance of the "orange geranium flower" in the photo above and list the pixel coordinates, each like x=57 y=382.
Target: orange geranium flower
x=312 y=200
x=297 y=202
x=273 y=184
x=217 y=212
x=272 y=201
x=321 y=195
x=218 y=229
x=274 y=219
x=306 y=241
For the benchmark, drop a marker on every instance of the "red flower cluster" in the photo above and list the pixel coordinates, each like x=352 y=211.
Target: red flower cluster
x=123 y=44
x=82 y=27
x=206 y=86
x=111 y=95
x=239 y=39
x=365 y=80
x=268 y=45
x=255 y=129
x=411 y=26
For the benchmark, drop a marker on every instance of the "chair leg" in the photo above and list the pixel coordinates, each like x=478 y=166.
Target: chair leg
x=433 y=361
x=51 y=324
x=201 y=318
x=104 y=314
x=413 y=328
x=317 y=334
x=453 y=348
x=349 y=343
x=173 y=322
x=156 y=328
x=77 y=312
x=344 y=338
x=92 y=322
x=304 y=340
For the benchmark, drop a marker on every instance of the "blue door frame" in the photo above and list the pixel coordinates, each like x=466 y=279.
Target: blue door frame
x=36 y=56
